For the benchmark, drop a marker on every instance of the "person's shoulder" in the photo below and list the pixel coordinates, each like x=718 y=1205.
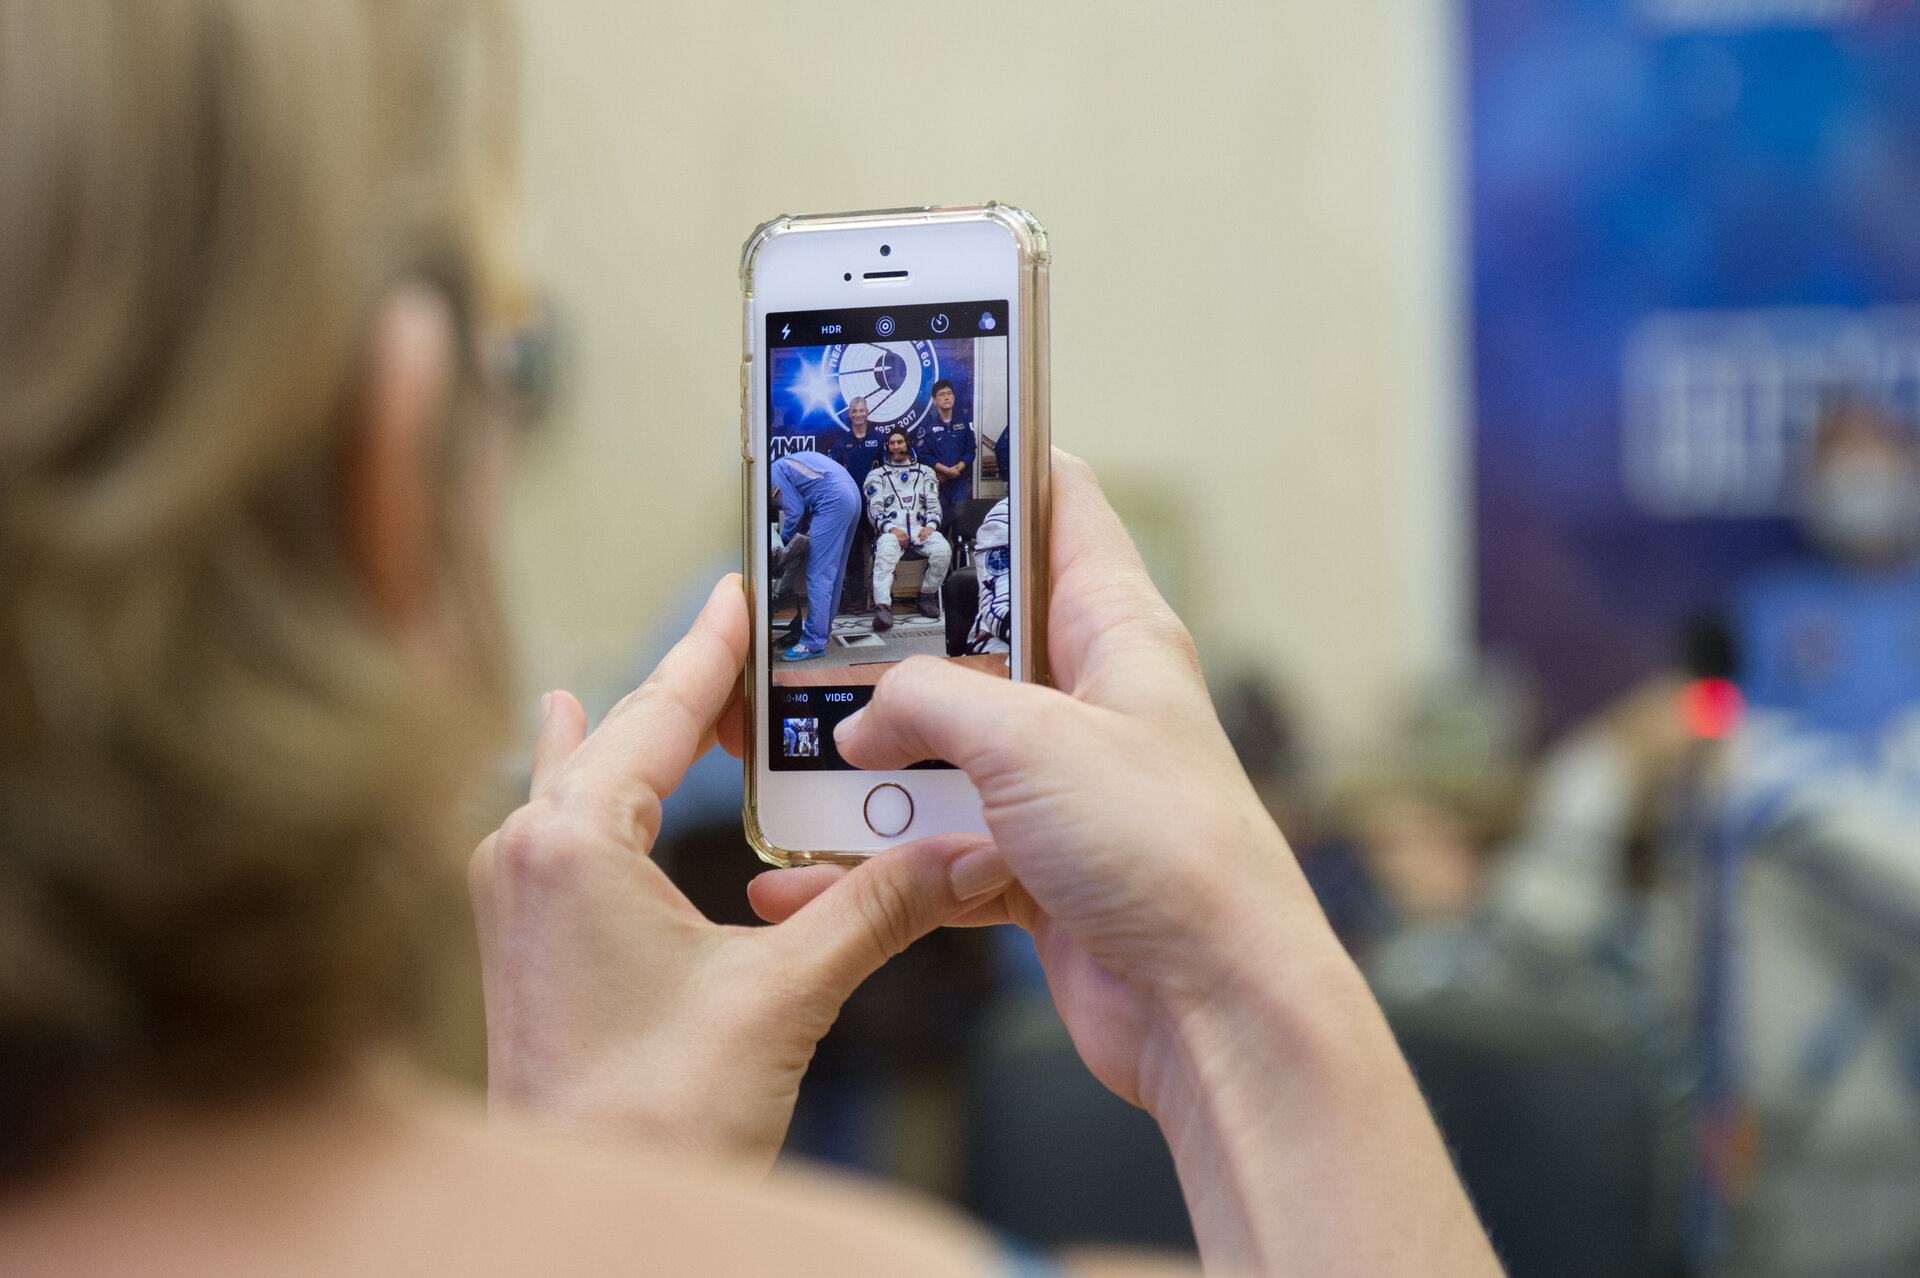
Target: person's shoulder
x=563 y=1209
x=412 y=1183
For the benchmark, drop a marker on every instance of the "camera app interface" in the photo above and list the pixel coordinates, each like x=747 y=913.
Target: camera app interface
x=889 y=461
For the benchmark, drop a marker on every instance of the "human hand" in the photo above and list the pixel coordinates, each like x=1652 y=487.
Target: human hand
x=901 y=534
x=1136 y=837
x=1182 y=945
x=616 y=1013
x=926 y=531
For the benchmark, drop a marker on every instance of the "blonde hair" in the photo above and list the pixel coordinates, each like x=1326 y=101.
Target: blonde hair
x=221 y=781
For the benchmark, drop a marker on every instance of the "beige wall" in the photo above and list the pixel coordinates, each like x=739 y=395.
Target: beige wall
x=1251 y=222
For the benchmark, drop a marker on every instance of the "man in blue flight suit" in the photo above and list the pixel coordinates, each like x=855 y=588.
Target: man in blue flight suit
x=1837 y=643
x=947 y=444
x=808 y=485
x=1002 y=451
x=860 y=449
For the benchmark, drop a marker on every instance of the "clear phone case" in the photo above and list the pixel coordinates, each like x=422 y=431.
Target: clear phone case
x=1030 y=302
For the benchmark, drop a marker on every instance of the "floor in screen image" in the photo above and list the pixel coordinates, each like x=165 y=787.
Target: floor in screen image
x=856 y=654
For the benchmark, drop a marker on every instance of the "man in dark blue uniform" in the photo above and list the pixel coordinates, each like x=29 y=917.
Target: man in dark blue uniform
x=946 y=443
x=1002 y=453
x=1836 y=641
x=860 y=449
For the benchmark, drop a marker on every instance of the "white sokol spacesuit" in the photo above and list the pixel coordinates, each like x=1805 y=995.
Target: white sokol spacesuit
x=906 y=496
x=993 y=617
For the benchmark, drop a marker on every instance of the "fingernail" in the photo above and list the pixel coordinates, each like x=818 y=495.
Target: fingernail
x=845 y=729
x=546 y=705
x=979 y=872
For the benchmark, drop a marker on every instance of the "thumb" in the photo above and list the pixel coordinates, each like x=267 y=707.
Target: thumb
x=926 y=708
x=886 y=904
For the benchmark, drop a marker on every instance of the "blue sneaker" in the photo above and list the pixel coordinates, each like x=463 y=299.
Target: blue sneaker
x=800 y=652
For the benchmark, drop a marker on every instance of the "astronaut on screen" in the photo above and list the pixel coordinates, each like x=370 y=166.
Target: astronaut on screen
x=903 y=505
x=993 y=619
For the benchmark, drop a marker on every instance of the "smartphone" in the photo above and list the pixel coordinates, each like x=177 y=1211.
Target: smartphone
x=894 y=448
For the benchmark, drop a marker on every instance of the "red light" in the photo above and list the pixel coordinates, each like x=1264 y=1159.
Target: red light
x=1711 y=708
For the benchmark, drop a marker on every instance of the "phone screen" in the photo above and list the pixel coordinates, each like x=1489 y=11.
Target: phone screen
x=887 y=507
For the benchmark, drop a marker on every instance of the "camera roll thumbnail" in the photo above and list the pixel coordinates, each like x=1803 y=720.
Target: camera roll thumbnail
x=800 y=739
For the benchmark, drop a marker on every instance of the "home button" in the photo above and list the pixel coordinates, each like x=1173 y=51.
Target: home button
x=889 y=810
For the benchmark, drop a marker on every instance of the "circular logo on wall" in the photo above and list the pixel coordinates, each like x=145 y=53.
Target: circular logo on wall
x=895 y=378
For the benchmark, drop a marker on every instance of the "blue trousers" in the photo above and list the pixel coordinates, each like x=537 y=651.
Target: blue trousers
x=836 y=512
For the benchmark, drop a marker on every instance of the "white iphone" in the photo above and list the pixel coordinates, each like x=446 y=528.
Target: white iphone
x=894 y=444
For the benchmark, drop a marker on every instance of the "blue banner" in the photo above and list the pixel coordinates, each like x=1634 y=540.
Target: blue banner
x=810 y=387
x=1695 y=222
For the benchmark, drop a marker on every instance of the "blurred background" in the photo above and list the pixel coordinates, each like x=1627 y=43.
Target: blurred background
x=1253 y=212
x=1515 y=397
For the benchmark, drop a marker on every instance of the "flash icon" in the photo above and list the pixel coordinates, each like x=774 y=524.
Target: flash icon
x=784 y=330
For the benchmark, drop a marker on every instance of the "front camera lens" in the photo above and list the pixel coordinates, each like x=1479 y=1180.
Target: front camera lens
x=885 y=249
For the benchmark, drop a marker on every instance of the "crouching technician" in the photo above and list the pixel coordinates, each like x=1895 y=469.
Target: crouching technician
x=807 y=483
